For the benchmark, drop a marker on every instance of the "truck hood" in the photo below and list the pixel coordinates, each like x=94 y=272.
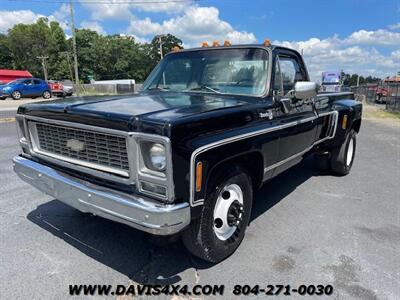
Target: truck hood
x=129 y=113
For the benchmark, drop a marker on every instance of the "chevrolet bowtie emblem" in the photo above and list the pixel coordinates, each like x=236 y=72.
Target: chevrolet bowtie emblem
x=75 y=145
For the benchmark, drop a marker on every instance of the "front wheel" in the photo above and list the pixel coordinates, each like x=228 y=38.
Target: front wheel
x=16 y=95
x=46 y=95
x=342 y=157
x=220 y=229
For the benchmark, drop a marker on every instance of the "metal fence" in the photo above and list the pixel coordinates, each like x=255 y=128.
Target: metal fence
x=385 y=92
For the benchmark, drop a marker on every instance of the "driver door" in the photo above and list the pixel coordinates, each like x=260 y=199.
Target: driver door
x=300 y=132
x=28 y=88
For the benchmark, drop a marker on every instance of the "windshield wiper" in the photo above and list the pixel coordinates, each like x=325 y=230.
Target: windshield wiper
x=158 y=88
x=204 y=87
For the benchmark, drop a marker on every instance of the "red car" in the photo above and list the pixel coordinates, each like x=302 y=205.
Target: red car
x=57 y=88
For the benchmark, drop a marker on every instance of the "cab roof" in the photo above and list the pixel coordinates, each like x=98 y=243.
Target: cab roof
x=242 y=46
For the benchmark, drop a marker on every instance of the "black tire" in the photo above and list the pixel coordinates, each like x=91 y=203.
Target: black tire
x=46 y=95
x=16 y=95
x=340 y=161
x=3 y=98
x=201 y=239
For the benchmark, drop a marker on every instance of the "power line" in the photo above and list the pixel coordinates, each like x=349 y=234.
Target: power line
x=133 y=2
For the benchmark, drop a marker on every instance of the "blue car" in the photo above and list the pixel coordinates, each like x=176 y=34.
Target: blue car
x=25 y=87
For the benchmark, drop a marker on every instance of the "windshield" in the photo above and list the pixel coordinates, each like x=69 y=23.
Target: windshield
x=16 y=81
x=220 y=71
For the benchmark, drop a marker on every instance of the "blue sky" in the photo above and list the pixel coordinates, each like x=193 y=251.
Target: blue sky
x=356 y=36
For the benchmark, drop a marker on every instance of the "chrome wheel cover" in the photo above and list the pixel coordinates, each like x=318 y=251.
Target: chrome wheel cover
x=350 y=152
x=17 y=95
x=230 y=196
x=46 y=95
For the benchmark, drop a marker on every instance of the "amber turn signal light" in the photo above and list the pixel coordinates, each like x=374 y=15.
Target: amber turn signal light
x=199 y=176
x=344 y=122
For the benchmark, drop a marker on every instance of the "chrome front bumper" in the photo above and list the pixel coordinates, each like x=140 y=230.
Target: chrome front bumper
x=134 y=211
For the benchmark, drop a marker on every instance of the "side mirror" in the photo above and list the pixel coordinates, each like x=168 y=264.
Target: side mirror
x=305 y=90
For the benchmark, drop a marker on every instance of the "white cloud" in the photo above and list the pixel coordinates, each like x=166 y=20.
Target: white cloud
x=93 y=25
x=196 y=25
x=394 y=26
x=395 y=55
x=121 y=9
x=115 y=10
x=62 y=13
x=378 y=37
x=346 y=54
x=10 y=18
x=162 y=6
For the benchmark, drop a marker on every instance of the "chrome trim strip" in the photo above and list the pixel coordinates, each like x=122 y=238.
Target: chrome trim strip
x=134 y=211
x=282 y=162
x=251 y=134
x=77 y=125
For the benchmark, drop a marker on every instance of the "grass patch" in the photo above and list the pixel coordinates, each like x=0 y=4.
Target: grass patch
x=373 y=112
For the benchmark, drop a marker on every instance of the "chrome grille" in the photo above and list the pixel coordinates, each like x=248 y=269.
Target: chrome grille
x=102 y=151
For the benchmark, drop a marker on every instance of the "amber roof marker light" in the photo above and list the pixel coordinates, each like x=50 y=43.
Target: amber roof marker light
x=204 y=45
x=176 y=49
x=227 y=43
x=216 y=44
x=267 y=43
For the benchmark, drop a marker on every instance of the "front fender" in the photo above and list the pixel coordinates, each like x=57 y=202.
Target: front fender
x=352 y=111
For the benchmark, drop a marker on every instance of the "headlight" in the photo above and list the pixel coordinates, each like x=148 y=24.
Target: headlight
x=158 y=158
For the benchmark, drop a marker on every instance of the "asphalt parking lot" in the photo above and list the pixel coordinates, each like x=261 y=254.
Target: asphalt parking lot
x=306 y=228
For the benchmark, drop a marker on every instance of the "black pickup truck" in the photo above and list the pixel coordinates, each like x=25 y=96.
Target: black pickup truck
x=186 y=155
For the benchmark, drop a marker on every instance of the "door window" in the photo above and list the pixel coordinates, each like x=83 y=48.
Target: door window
x=278 y=78
x=290 y=72
x=36 y=81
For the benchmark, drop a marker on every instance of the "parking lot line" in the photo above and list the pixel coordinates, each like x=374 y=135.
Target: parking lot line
x=7 y=120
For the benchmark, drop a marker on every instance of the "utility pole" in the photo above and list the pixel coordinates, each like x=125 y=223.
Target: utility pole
x=161 y=54
x=44 y=65
x=71 y=8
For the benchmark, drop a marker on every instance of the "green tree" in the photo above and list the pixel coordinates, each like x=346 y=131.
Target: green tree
x=99 y=56
x=168 y=42
x=27 y=42
x=5 y=53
